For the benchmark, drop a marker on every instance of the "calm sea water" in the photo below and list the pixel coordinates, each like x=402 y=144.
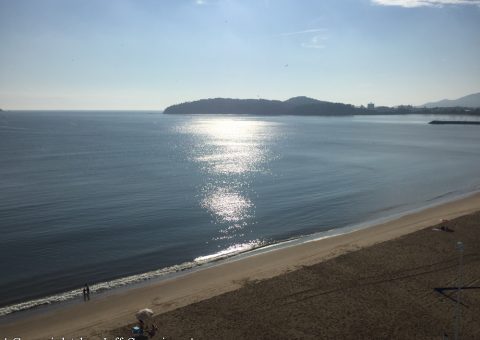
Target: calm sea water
x=97 y=196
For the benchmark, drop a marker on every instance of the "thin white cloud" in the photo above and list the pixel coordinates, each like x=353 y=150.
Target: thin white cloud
x=309 y=38
x=200 y=2
x=316 y=41
x=313 y=30
x=423 y=3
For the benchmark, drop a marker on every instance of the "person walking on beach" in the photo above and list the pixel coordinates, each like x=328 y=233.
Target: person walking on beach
x=87 y=291
x=84 y=294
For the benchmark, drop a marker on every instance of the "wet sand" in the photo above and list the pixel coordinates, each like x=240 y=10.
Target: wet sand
x=357 y=285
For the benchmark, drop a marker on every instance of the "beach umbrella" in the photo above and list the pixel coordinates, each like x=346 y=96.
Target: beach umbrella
x=144 y=314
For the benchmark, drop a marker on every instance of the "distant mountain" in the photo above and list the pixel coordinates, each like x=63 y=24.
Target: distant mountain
x=302 y=100
x=472 y=100
x=226 y=105
x=292 y=106
x=303 y=106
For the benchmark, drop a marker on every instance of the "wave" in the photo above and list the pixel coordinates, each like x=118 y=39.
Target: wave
x=133 y=279
x=230 y=251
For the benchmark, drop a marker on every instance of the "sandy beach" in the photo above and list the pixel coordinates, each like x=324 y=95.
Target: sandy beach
x=313 y=274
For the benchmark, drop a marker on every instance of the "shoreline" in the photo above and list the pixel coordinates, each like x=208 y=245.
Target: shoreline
x=117 y=308
x=48 y=303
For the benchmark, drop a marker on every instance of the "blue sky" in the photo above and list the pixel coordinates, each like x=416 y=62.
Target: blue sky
x=149 y=54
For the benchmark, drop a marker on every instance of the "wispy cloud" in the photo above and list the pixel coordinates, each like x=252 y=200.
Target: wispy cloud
x=317 y=41
x=309 y=38
x=200 y=2
x=309 y=31
x=423 y=3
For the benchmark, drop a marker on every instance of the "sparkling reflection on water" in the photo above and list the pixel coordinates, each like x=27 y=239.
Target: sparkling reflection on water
x=230 y=152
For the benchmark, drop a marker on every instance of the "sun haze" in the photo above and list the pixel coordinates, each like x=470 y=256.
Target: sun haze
x=148 y=54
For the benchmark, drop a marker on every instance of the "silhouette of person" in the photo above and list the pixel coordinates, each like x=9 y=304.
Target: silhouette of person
x=84 y=294
x=87 y=290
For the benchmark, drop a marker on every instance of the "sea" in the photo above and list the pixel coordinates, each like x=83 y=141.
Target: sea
x=113 y=198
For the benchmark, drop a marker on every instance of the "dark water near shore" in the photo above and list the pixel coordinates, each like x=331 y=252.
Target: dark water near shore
x=95 y=196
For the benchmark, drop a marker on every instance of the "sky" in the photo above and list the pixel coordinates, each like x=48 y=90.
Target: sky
x=149 y=54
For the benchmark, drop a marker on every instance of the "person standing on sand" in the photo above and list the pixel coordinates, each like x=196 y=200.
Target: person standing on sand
x=87 y=290
x=84 y=294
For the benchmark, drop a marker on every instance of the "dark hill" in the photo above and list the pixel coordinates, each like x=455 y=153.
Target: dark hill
x=302 y=100
x=292 y=106
x=227 y=106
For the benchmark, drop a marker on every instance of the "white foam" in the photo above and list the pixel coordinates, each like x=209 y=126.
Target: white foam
x=230 y=251
x=99 y=287
x=124 y=281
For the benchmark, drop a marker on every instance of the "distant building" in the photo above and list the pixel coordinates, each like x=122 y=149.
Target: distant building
x=405 y=108
x=384 y=109
x=371 y=106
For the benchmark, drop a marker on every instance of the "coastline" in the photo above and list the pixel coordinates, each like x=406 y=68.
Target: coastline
x=117 y=309
x=47 y=303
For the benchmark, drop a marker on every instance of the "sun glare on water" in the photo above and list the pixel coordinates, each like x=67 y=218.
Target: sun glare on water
x=230 y=151
x=230 y=146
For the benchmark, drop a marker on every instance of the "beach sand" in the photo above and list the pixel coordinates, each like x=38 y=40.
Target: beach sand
x=355 y=285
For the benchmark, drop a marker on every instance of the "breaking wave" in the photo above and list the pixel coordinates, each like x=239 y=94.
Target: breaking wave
x=129 y=280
